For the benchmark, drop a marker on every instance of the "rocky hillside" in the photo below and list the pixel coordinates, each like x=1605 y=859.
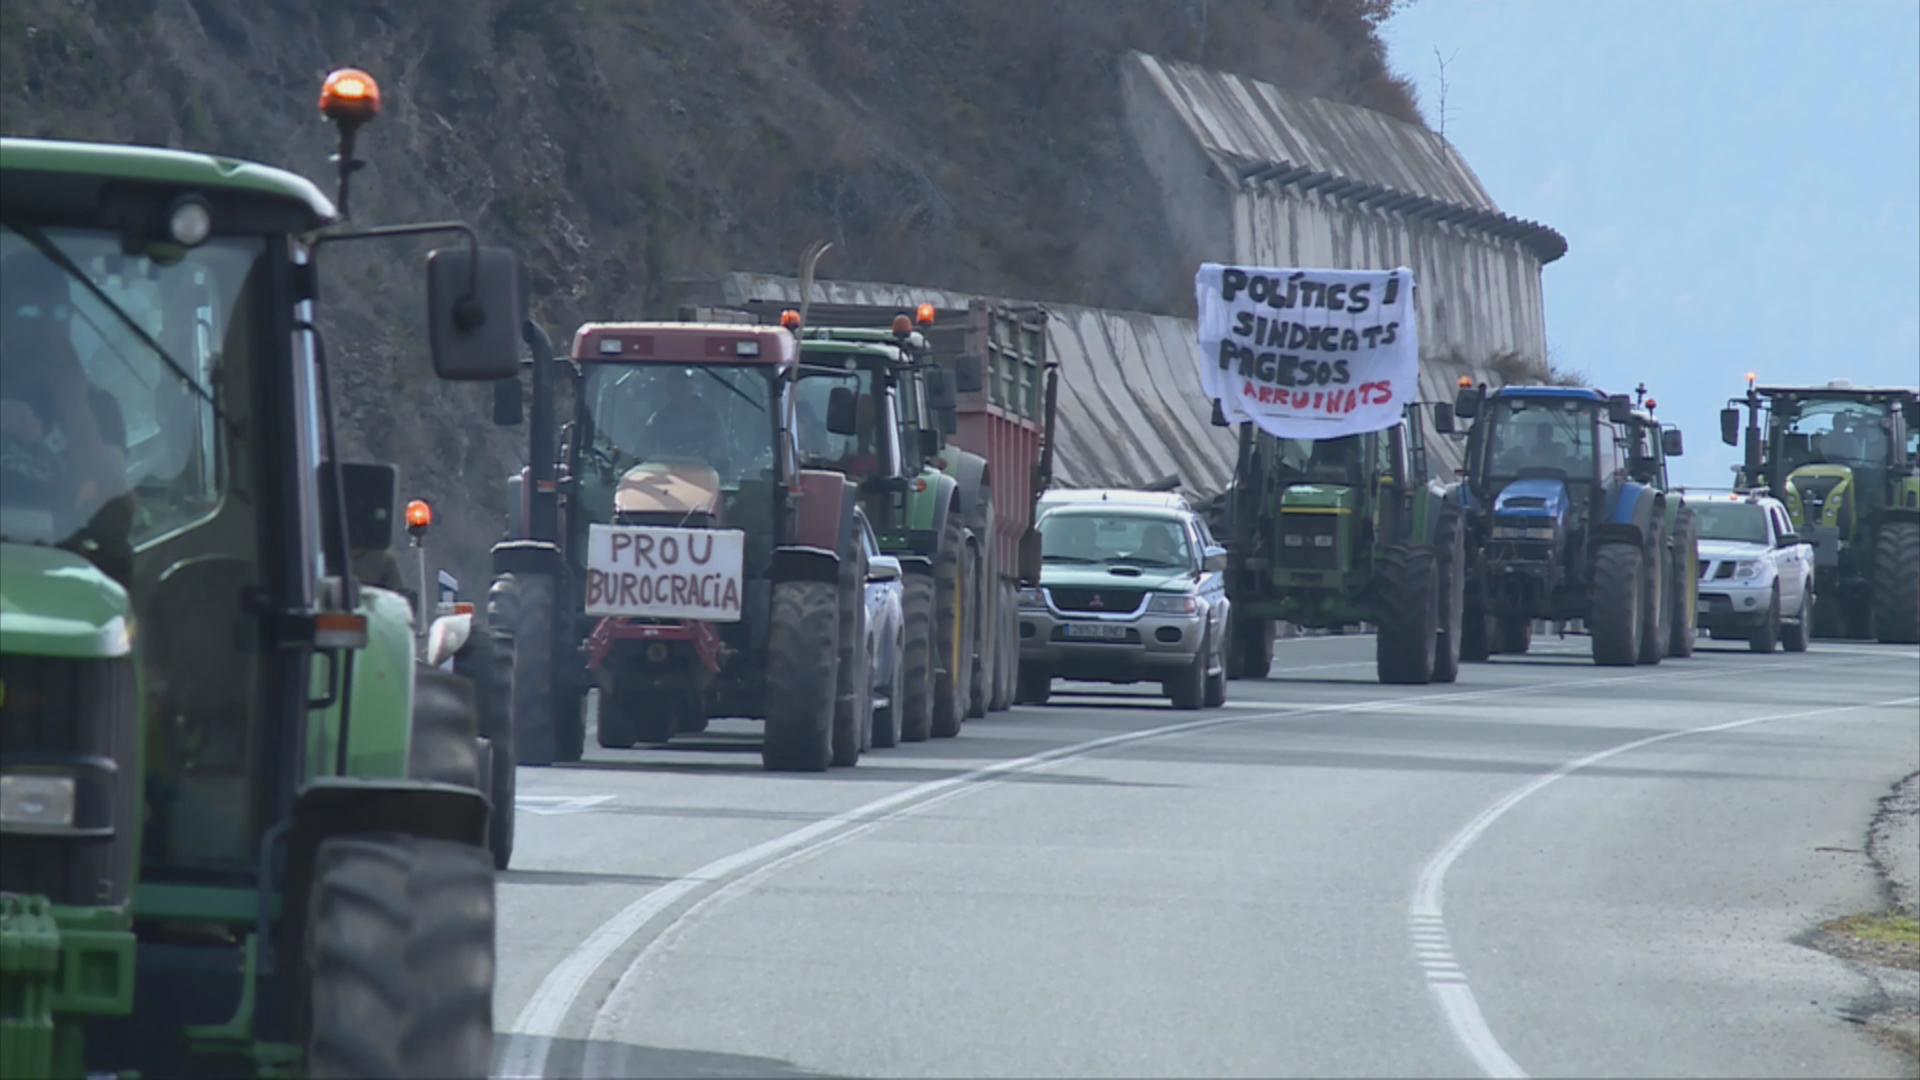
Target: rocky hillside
x=622 y=144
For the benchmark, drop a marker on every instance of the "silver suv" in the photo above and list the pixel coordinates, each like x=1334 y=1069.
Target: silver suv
x=1132 y=589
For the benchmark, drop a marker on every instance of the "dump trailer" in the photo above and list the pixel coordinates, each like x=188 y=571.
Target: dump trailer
x=995 y=442
x=234 y=841
x=1845 y=460
x=676 y=554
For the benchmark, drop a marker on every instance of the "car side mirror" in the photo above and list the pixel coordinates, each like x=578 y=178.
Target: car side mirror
x=1671 y=444
x=1620 y=409
x=474 y=314
x=1788 y=540
x=369 y=496
x=509 y=402
x=1442 y=418
x=969 y=374
x=1216 y=558
x=843 y=411
x=1466 y=404
x=1730 y=426
x=883 y=568
x=940 y=392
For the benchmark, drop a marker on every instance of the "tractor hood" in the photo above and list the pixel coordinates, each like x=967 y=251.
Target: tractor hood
x=668 y=487
x=1811 y=488
x=1535 y=497
x=55 y=603
x=1317 y=497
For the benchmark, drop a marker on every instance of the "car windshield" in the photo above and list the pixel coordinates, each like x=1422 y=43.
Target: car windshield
x=858 y=454
x=1830 y=431
x=712 y=413
x=1741 y=522
x=1113 y=538
x=1551 y=437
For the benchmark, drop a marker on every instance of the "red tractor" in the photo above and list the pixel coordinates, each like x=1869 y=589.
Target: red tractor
x=676 y=557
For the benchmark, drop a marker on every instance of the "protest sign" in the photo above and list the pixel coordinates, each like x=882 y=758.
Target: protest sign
x=647 y=571
x=1308 y=354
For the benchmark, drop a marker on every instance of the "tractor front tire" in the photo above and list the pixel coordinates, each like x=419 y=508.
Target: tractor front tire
x=1250 y=656
x=445 y=746
x=853 y=693
x=1616 y=621
x=803 y=646
x=1006 y=648
x=1452 y=558
x=1409 y=610
x=916 y=603
x=952 y=624
x=1655 y=619
x=399 y=958
x=1516 y=634
x=1476 y=636
x=1896 y=583
x=486 y=661
x=980 y=668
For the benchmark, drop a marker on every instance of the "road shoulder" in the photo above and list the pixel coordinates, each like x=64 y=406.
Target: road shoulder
x=1885 y=945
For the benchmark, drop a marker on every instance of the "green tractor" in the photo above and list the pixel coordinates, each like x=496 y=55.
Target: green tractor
x=1845 y=460
x=233 y=837
x=1331 y=532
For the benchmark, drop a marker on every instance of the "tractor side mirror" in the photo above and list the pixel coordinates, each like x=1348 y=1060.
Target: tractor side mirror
x=370 y=490
x=1620 y=409
x=509 y=403
x=1466 y=404
x=969 y=374
x=1443 y=418
x=1671 y=444
x=474 y=314
x=940 y=392
x=1730 y=426
x=1030 y=556
x=843 y=411
x=1219 y=415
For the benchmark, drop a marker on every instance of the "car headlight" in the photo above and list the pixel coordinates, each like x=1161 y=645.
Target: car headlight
x=1747 y=571
x=1030 y=598
x=1172 y=604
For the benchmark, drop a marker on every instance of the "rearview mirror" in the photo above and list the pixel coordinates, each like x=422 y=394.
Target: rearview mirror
x=843 y=411
x=369 y=491
x=1620 y=409
x=883 y=568
x=969 y=374
x=1788 y=540
x=474 y=318
x=1670 y=442
x=509 y=404
x=940 y=393
x=1442 y=418
x=1466 y=404
x=1216 y=558
x=1730 y=426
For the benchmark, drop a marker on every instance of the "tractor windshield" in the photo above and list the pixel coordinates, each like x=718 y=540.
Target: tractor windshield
x=1544 y=437
x=1830 y=431
x=716 y=414
x=858 y=455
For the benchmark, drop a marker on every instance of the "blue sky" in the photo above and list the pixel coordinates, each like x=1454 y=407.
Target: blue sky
x=1739 y=184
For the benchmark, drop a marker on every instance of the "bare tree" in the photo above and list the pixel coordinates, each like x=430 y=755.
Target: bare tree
x=1442 y=62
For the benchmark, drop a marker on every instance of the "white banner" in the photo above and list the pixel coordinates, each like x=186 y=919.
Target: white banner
x=1308 y=354
x=648 y=571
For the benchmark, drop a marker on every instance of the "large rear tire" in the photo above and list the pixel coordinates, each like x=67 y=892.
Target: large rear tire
x=803 y=652
x=1615 y=621
x=853 y=693
x=445 y=745
x=1250 y=656
x=487 y=662
x=980 y=637
x=1452 y=558
x=1516 y=634
x=953 y=624
x=1006 y=649
x=1683 y=585
x=1655 y=619
x=399 y=958
x=1409 y=615
x=1896 y=583
x=1477 y=632
x=916 y=603
x=523 y=604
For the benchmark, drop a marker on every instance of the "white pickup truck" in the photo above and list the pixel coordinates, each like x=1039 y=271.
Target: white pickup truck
x=1756 y=574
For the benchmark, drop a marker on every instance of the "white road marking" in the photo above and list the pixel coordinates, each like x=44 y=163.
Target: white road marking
x=551 y=805
x=1427 y=919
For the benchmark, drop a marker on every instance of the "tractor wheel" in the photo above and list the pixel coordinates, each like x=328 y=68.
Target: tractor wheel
x=399 y=958
x=952 y=624
x=1452 y=559
x=445 y=746
x=1476 y=636
x=980 y=638
x=1896 y=583
x=1615 y=622
x=1006 y=649
x=486 y=661
x=524 y=605
x=1654 y=616
x=1683 y=585
x=803 y=649
x=853 y=693
x=916 y=604
x=1767 y=634
x=1250 y=655
x=1516 y=634
x=1035 y=686
x=1794 y=635
x=1409 y=615
x=1830 y=618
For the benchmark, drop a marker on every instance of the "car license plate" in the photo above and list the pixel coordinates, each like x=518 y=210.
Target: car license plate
x=1702 y=607
x=1097 y=631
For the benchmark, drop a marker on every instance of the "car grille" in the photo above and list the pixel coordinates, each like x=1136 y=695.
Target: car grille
x=1716 y=569
x=1309 y=541
x=1104 y=601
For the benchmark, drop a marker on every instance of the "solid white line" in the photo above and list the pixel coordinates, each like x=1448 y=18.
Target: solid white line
x=1457 y=1003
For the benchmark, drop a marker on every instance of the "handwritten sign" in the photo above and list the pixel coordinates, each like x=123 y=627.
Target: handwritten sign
x=1308 y=354
x=647 y=571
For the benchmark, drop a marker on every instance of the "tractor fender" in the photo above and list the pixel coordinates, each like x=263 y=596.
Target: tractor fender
x=974 y=479
x=1897 y=513
x=447 y=635
x=927 y=514
x=1635 y=504
x=335 y=805
x=528 y=557
x=823 y=519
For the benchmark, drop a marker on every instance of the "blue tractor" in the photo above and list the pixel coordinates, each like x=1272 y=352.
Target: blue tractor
x=1569 y=517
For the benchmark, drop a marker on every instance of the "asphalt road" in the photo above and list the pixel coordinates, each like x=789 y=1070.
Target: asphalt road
x=1546 y=869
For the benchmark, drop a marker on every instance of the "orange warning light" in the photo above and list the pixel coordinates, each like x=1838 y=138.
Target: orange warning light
x=419 y=514
x=790 y=319
x=1466 y=381
x=1751 y=377
x=350 y=95
x=902 y=326
x=924 y=315
x=1652 y=404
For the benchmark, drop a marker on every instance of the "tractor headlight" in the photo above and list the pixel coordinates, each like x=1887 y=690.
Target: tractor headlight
x=1172 y=604
x=1523 y=532
x=36 y=801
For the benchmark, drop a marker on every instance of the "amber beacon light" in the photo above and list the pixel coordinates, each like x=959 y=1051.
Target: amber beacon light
x=350 y=96
x=419 y=515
